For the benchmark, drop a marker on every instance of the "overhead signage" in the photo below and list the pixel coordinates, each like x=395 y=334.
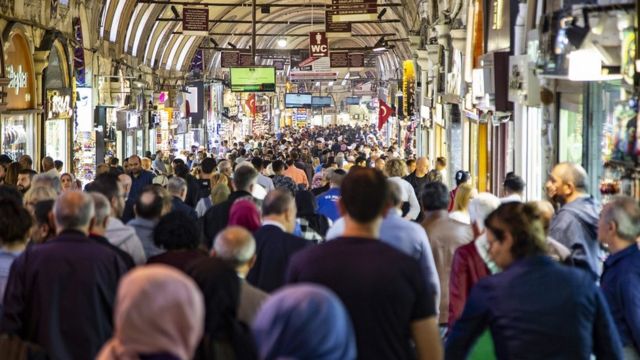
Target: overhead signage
x=322 y=64
x=343 y=59
x=58 y=105
x=354 y=10
x=335 y=29
x=339 y=59
x=294 y=101
x=229 y=58
x=195 y=21
x=356 y=59
x=253 y=79
x=245 y=59
x=318 y=44
x=313 y=76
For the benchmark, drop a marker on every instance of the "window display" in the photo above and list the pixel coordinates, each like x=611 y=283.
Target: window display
x=16 y=135
x=55 y=131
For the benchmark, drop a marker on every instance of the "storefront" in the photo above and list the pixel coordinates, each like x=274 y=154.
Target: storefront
x=17 y=123
x=84 y=146
x=58 y=118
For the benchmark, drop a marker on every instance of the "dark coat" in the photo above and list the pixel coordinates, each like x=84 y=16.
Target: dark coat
x=274 y=248
x=178 y=205
x=217 y=217
x=60 y=295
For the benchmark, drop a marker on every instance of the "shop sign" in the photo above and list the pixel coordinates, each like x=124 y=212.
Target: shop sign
x=335 y=28
x=17 y=78
x=354 y=10
x=58 y=105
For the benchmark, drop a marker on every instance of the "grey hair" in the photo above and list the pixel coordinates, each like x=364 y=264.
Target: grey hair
x=101 y=206
x=176 y=185
x=481 y=206
x=235 y=244
x=73 y=210
x=625 y=213
x=395 y=193
x=222 y=164
x=575 y=174
x=47 y=180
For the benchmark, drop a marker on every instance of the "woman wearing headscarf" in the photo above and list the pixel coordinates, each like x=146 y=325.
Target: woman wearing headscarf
x=304 y=322
x=314 y=226
x=224 y=336
x=244 y=213
x=158 y=316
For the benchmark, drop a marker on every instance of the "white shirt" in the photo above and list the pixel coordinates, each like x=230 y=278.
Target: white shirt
x=460 y=217
x=408 y=195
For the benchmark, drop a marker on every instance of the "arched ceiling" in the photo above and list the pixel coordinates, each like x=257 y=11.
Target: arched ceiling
x=148 y=31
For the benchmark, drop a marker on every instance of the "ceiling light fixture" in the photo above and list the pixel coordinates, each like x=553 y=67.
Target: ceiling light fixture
x=214 y=42
x=381 y=14
x=176 y=14
x=232 y=45
x=282 y=42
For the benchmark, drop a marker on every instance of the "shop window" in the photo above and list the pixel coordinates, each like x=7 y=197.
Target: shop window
x=570 y=132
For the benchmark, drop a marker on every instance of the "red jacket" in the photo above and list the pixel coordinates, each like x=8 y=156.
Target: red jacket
x=467 y=269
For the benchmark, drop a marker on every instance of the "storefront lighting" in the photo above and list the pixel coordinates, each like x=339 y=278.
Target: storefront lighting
x=584 y=65
x=282 y=42
x=330 y=83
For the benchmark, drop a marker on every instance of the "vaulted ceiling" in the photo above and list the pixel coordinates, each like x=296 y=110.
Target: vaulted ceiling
x=149 y=30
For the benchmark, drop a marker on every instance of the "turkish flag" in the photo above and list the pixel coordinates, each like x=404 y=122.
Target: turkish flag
x=384 y=111
x=251 y=103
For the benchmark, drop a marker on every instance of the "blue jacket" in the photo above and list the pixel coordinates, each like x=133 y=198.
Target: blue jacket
x=576 y=224
x=328 y=203
x=537 y=309
x=621 y=286
x=138 y=183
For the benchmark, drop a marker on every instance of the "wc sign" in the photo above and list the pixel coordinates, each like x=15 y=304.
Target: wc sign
x=318 y=44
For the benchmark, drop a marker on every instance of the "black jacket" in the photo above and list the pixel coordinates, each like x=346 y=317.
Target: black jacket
x=274 y=248
x=217 y=217
x=60 y=295
x=178 y=205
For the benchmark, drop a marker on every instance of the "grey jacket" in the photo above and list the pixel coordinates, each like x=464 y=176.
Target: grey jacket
x=125 y=238
x=144 y=229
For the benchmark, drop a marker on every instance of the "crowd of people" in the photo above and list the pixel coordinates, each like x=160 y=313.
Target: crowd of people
x=318 y=243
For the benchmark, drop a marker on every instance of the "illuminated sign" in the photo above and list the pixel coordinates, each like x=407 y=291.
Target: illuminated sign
x=17 y=79
x=58 y=105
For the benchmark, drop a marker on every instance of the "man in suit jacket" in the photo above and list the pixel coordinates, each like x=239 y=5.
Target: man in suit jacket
x=178 y=189
x=237 y=246
x=275 y=242
x=60 y=294
x=217 y=217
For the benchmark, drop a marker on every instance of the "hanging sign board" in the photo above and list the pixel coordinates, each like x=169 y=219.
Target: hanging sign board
x=339 y=59
x=354 y=10
x=195 y=21
x=356 y=59
x=318 y=44
x=245 y=59
x=336 y=29
x=278 y=64
x=229 y=58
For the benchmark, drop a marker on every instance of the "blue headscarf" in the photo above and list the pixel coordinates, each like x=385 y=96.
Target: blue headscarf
x=304 y=321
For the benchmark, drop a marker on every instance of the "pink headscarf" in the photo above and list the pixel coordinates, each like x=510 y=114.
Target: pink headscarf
x=158 y=310
x=244 y=213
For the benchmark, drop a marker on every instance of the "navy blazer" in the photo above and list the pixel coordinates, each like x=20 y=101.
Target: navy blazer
x=178 y=205
x=537 y=309
x=60 y=295
x=274 y=248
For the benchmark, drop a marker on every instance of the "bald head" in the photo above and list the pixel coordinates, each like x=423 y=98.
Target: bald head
x=422 y=166
x=571 y=173
x=235 y=245
x=73 y=211
x=567 y=182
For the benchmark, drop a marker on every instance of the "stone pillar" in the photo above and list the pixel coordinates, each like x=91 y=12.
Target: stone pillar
x=40 y=62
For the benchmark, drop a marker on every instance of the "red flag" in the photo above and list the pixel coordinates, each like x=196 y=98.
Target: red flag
x=251 y=103
x=384 y=111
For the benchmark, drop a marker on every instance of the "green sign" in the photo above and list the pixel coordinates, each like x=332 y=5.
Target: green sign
x=253 y=79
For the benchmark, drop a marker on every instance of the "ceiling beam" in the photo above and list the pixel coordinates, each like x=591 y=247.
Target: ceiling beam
x=284 y=22
x=243 y=4
x=285 y=52
x=282 y=34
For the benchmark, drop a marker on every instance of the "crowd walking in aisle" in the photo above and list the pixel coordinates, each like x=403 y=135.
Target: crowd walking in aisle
x=317 y=243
